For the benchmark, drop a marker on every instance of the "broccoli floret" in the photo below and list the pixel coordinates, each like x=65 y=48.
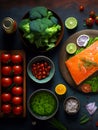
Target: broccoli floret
x=54 y=19
x=49 y=14
x=38 y=12
x=50 y=46
x=40 y=25
x=53 y=30
x=29 y=37
x=24 y=25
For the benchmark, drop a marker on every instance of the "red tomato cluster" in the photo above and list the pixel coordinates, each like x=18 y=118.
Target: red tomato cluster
x=92 y=18
x=11 y=84
x=41 y=69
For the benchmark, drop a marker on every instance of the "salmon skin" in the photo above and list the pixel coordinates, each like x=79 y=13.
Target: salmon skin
x=84 y=64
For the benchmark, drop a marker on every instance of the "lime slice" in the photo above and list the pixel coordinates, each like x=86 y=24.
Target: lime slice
x=71 y=23
x=82 y=40
x=71 y=48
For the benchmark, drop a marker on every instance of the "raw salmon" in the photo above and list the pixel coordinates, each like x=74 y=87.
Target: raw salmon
x=84 y=64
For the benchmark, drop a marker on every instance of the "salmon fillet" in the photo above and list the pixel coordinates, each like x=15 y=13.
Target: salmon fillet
x=84 y=64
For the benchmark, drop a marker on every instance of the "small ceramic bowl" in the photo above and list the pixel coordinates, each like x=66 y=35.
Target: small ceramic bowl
x=43 y=104
x=71 y=105
x=40 y=59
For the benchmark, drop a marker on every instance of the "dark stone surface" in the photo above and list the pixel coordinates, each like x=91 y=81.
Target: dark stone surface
x=16 y=9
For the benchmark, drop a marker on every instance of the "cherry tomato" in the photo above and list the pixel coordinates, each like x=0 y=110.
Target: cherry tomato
x=6 y=82
x=89 y=21
x=18 y=80
x=6 y=108
x=16 y=58
x=17 y=100
x=81 y=8
x=96 y=20
x=5 y=57
x=17 y=69
x=17 y=90
x=86 y=88
x=6 y=70
x=41 y=69
x=6 y=97
x=92 y=14
x=17 y=110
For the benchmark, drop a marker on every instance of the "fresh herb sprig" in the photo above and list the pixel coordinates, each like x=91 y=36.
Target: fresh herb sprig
x=88 y=63
x=84 y=119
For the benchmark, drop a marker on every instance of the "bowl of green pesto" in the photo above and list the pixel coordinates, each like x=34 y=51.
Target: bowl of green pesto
x=43 y=104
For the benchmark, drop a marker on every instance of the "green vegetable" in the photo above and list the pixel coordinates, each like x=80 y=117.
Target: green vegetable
x=57 y=124
x=54 y=20
x=29 y=37
x=25 y=26
x=84 y=119
x=50 y=31
x=43 y=104
x=88 y=63
x=38 y=12
x=41 y=28
x=40 y=25
x=94 y=83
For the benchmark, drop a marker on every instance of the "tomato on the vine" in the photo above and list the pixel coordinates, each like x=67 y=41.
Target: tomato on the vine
x=17 y=90
x=17 y=110
x=89 y=22
x=16 y=58
x=92 y=14
x=5 y=57
x=6 y=97
x=17 y=100
x=17 y=69
x=18 y=80
x=6 y=82
x=6 y=70
x=6 y=108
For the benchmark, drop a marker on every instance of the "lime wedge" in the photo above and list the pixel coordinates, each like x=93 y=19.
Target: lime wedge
x=71 y=23
x=71 y=48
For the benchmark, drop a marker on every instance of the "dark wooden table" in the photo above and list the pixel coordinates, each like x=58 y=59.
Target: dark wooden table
x=16 y=9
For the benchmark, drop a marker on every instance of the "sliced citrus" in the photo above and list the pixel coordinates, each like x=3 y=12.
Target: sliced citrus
x=60 y=89
x=82 y=40
x=71 y=23
x=71 y=48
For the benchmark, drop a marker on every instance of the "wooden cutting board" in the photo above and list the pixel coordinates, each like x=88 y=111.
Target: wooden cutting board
x=23 y=74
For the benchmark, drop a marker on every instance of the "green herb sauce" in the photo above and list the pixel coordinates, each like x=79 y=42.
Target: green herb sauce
x=43 y=104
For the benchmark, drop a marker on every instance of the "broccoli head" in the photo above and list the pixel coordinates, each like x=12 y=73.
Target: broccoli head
x=53 y=30
x=40 y=25
x=24 y=25
x=29 y=37
x=38 y=12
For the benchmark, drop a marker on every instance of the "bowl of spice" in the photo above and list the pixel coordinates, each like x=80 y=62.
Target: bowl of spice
x=71 y=105
x=43 y=104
